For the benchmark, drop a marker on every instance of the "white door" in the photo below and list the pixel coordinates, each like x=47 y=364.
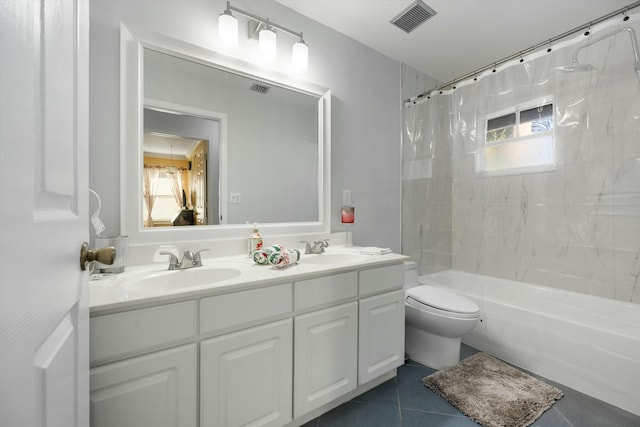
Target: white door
x=43 y=212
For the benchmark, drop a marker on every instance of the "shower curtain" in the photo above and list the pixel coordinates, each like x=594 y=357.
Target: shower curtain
x=532 y=171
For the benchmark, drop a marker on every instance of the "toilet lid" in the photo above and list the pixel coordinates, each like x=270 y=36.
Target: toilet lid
x=442 y=299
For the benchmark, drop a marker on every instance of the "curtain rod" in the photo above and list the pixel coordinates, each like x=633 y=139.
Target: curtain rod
x=521 y=53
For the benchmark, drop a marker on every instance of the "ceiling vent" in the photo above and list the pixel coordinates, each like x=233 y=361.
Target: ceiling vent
x=413 y=16
x=257 y=87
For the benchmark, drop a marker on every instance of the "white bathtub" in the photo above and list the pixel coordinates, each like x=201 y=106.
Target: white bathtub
x=588 y=343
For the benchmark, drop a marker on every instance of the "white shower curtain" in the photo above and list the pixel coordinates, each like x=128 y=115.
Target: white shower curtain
x=557 y=211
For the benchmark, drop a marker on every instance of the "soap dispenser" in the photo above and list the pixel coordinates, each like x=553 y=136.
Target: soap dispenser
x=255 y=240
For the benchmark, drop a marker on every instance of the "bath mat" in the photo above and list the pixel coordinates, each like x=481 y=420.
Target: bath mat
x=492 y=393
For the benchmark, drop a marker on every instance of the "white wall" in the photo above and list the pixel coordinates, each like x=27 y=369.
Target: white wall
x=365 y=105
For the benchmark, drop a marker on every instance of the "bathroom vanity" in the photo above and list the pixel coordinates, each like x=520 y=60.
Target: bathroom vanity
x=233 y=343
x=264 y=348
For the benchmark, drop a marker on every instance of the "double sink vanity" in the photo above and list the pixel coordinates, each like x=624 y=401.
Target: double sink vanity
x=233 y=343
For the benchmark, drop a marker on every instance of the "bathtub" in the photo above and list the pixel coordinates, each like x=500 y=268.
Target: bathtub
x=588 y=343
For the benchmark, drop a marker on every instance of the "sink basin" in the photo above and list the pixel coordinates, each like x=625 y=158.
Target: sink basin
x=328 y=259
x=180 y=279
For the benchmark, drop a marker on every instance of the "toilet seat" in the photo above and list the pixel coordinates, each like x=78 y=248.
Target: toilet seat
x=438 y=300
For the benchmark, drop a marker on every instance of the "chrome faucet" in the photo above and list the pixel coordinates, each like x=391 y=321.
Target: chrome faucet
x=189 y=260
x=317 y=247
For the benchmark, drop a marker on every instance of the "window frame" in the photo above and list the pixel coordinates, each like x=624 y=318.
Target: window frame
x=483 y=144
x=164 y=175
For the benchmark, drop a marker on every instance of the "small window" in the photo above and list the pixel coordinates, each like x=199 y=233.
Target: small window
x=536 y=120
x=165 y=207
x=501 y=128
x=518 y=141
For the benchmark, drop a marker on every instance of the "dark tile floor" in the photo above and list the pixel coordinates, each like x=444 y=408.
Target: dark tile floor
x=404 y=401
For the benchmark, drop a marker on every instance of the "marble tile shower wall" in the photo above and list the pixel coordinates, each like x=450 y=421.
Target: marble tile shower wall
x=574 y=227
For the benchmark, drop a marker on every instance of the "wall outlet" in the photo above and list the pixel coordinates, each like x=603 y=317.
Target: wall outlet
x=234 y=198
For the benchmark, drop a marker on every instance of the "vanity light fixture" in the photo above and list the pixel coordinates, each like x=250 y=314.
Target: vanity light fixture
x=300 y=55
x=228 y=29
x=267 y=43
x=228 y=34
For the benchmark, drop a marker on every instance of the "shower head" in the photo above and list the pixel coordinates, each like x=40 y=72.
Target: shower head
x=634 y=47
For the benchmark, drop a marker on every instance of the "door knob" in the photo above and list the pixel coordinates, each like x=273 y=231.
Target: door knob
x=103 y=255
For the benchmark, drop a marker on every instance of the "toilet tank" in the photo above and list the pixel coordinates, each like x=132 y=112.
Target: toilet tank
x=410 y=274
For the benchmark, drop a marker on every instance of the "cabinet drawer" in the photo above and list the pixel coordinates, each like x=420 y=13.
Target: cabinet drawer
x=325 y=290
x=223 y=312
x=133 y=331
x=381 y=279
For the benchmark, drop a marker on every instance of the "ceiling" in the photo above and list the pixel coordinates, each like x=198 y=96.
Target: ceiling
x=463 y=36
x=168 y=146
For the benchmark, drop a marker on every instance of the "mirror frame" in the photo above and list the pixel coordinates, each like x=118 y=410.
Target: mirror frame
x=132 y=103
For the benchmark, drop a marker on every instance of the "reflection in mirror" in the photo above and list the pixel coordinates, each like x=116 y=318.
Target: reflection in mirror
x=271 y=164
x=178 y=169
x=272 y=140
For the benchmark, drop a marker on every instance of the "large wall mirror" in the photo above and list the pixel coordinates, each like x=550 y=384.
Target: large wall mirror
x=210 y=144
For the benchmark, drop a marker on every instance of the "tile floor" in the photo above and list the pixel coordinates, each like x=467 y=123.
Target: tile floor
x=404 y=401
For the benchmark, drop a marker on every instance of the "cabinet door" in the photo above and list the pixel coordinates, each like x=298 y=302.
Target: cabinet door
x=325 y=354
x=381 y=338
x=246 y=377
x=157 y=390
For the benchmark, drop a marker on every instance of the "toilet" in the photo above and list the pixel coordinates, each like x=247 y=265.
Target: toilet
x=435 y=321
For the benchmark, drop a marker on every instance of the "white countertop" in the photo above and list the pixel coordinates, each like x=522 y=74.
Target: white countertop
x=109 y=295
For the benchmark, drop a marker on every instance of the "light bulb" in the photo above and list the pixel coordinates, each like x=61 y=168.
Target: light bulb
x=300 y=56
x=228 y=30
x=267 y=44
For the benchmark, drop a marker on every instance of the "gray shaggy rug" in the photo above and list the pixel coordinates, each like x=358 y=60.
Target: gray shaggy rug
x=493 y=393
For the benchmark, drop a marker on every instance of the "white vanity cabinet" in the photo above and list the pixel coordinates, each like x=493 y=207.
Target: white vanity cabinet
x=325 y=340
x=246 y=375
x=326 y=350
x=157 y=388
x=381 y=337
x=262 y=354
x=381 y=321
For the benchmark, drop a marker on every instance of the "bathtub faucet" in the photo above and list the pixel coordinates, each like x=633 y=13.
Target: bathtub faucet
x=189 y=260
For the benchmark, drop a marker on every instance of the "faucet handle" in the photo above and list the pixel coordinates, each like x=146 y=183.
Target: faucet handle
x=307 y=249
x=173 y=259
x=187 y=255
x=322 y=244
x=197 y=262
